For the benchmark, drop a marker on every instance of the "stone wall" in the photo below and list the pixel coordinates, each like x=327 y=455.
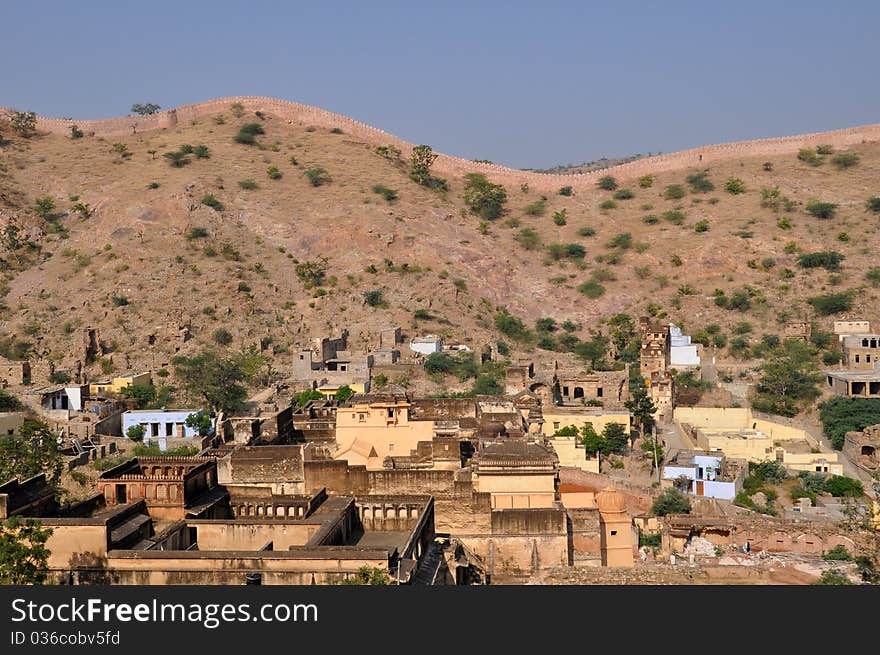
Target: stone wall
x=293 y=112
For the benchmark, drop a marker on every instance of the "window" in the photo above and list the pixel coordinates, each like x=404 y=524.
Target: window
x=390 y=412
x=598 y=392
x=555 y=425
x=390 y=447
x=867 y=358
x=613 y=533
x=362 y=418
x=857 y=359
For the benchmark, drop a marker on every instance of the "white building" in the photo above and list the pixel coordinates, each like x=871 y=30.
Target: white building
x=682 y=353
x=427 y=345
x=707 y=475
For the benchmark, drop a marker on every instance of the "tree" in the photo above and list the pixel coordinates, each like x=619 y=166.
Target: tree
x=420 y=164
x=788 y=380
x=144 y=395
x=594 y=350
x=592 y=441
x=671 y=501
x=145 y=109
x=343 y=393
x=24 y=558
x=483 y=197
x=607 y=182
x=487 y=385
x=136 y=432
x=218 y=381
x=31 y=450
x=643 y=408
x=8 y=402
x=840 y=415
x=303 y=397
x=24 y=123
x=45 y=207
x=616 y=437
x=200 y=422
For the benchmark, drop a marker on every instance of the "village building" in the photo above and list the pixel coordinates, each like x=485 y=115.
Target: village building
x=426 y=345
x=375 y=426
x=161 y=426
x=846 y=328
x=10 y=422
x=705 y=474
x=327 y=365
x=116 y=384
x=740 y=433
x=516 y=474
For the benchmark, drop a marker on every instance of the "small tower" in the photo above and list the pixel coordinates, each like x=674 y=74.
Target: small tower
x=616 y=527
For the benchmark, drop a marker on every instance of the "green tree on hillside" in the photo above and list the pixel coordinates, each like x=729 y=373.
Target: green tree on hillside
x=788 y=380
x=216 y=380
x=145 y=109
x=483 y=197
x=24 y=558
x=31 y=450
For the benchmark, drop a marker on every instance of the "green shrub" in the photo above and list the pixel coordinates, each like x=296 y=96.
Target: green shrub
x=560 y=217
x=845 y=160
x=829 y=260
x=528 y=239
x=565 y=191
x=671 y=501
x=872 y=204
x=824 y=149
x=607 y=204
x=674 y=192
x=222 y=336
x=837 y=554
x=537 y=208
x=317 y=176
x=821 y=209
x=622 y=241
x=591 y=289
x=841 y=486
x=700 y=183
x=212 y=202
x=832 y=303
x=119 y=301
x=196 y=233
x=646 y=181
x=651 y=219
x=586 y=232
x=735 y=186
x=873 y=276
x=389 y=194
x=511 y=326
x=248 y=185
x=484 y=198
x=840 y=415
x=809 y=156
x=624 y=194
x=674 y=216
x=607 y=182
x=273 y=173
x=373 y=298
x=701 y=226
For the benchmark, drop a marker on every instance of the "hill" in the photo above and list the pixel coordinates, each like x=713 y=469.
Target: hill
x=132 y=249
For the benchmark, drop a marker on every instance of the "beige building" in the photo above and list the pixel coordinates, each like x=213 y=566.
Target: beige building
x=374 y=426
x=517 y=474
x=741 y=434
x=617 y=530
x=10 y=422
x=556 y=418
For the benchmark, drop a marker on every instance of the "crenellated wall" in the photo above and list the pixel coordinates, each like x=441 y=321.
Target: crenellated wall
x=294 y=112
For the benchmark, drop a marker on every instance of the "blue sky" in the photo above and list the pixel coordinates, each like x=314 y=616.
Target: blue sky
x=527 y=84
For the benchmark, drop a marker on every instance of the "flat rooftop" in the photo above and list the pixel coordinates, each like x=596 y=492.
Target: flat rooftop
x=855 y=375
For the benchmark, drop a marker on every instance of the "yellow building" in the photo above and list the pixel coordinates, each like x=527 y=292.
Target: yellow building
x=556 y=418
x=117 y=384
x=374 y=426
x=329 y=390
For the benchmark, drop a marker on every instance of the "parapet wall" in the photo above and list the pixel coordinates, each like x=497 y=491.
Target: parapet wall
x=294 y=112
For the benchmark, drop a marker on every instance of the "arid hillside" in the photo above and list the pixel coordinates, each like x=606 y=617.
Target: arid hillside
x=131 y=248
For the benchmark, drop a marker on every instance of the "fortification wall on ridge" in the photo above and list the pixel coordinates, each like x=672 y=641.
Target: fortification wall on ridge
x=294 y=112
